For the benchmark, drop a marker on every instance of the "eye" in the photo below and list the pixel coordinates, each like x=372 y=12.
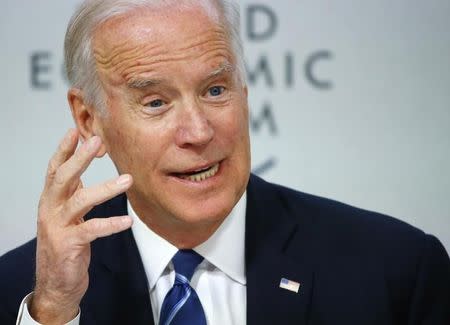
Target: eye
x=155 y=103
x=216 y=91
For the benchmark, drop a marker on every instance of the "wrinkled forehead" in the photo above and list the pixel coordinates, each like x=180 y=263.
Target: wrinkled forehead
x=143 y=37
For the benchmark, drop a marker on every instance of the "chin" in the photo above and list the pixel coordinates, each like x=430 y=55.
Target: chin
x=211 y=210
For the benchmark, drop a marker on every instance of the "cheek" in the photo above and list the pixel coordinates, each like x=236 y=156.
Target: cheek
x=232 y=136
x=235 y=125
x=126 y=143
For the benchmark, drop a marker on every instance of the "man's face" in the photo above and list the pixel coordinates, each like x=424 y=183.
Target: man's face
x=177 y=114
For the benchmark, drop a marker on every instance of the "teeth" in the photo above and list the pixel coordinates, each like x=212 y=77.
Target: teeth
x=201 y=176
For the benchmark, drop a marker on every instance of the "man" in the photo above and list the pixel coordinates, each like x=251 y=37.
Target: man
x=159 y=87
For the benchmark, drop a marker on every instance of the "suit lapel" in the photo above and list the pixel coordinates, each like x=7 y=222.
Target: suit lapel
x=121 y=294
x=271 y=255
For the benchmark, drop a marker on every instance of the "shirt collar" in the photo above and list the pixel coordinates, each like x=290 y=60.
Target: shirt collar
x=225 y=249
x=155 y=251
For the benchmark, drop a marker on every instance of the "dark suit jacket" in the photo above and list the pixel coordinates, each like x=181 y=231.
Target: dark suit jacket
x=354 y=267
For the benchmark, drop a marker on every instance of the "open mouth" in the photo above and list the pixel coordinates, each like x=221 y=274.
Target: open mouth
x=201 y=174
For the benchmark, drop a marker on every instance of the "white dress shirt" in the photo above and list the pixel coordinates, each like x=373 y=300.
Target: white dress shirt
x=219 y=280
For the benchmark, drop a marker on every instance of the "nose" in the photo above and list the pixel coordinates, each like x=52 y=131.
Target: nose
x=194 y=128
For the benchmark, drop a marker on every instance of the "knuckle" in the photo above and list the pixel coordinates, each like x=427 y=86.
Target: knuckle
x=80 y=198
x=80 y=157
x=111 y=224
x=94 y=228
x=43 y=217
x=59 y=177
x=62 y=146
x=44 y=231
x=94 y=225
x=51 y=167
x=51 y=171
x=108 y=188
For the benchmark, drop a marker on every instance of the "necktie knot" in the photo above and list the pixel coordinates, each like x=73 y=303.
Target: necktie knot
x=185 y=262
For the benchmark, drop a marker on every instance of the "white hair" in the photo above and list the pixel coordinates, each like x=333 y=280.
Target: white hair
x=78 y=52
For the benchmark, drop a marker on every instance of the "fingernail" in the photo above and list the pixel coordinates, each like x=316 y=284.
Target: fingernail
x=93 y=143
x=124 y=180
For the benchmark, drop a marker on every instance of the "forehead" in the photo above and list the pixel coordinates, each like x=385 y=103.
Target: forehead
x=150 y=41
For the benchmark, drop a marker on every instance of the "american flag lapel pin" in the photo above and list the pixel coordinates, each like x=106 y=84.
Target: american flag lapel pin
x=289 y=285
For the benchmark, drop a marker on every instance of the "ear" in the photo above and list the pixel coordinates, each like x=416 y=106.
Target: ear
x=86 y=117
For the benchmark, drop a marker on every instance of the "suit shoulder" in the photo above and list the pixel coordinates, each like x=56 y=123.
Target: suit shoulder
x=339 y=221
x=336 y=231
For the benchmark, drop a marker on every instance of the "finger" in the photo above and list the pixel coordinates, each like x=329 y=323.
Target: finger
x=65 y=150
x=85 y=199
x=75 y=186
x=97 y=228
x=68 y=174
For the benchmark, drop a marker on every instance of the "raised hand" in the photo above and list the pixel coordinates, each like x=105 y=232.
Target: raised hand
x=63 y=237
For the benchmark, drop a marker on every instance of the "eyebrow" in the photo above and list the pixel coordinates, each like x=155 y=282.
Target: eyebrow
x=224 y=68
x=137 y=83
x=142 y=83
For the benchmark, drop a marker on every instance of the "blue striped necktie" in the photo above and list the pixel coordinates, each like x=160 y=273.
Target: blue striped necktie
x=181 y=304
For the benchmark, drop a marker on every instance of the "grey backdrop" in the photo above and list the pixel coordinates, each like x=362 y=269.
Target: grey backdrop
x=349 y=100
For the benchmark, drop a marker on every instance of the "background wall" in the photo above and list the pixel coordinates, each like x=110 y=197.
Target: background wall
x=349 y=100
